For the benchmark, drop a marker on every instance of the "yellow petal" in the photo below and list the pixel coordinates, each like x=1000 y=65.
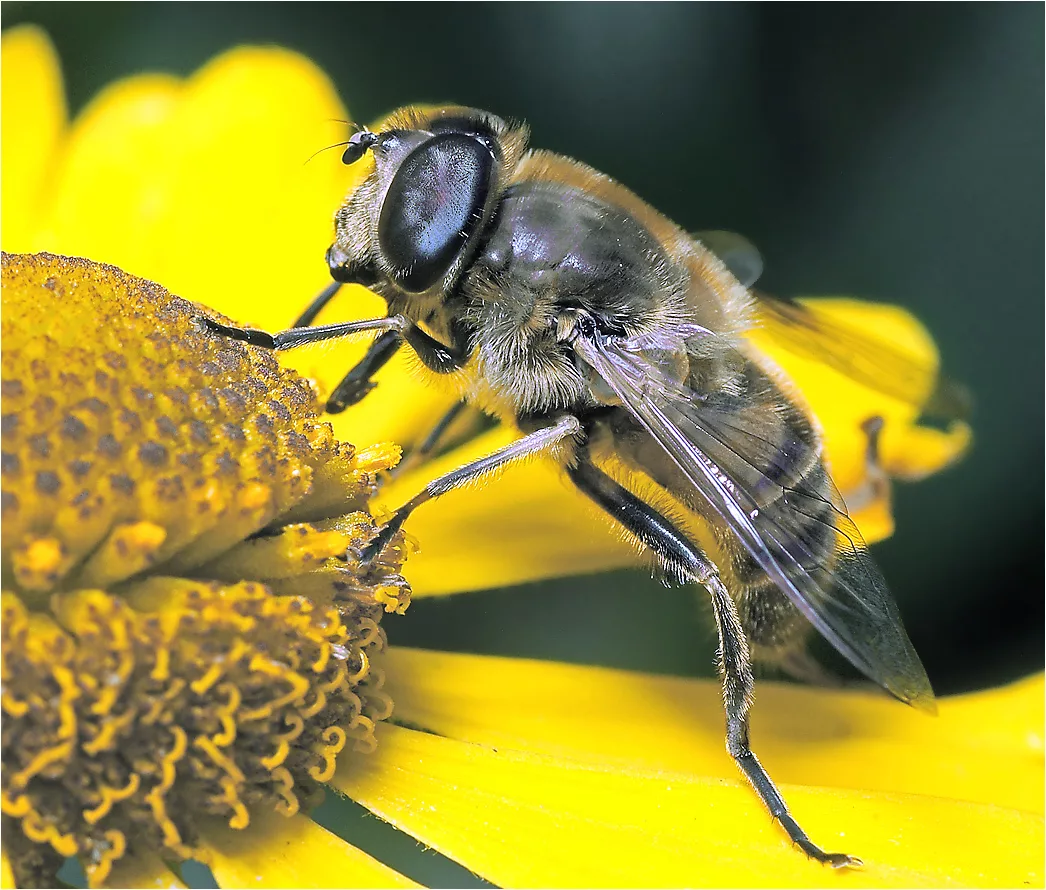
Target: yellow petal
x=914 y=452
x=252 y=214
x=218 y=164
x=843 y=404
x=874 y=519
x=523 y=525
x=518 y=818
x=7 y=879
x=33 y=119
x=985 y=747
x=296 y=852
x=111 y=187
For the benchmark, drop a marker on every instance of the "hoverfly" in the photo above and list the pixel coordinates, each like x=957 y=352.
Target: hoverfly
x=598 y=327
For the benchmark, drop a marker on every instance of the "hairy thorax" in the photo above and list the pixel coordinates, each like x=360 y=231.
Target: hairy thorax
x=553 y=252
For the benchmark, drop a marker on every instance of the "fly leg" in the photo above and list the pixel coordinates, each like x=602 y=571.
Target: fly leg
x=685 y=561
x=358 y=383
x=735 y=667
x=355 y=385
x=433 y=440
x=531 y=444
x=316 y=306
x=293 y=337
x=429 y=443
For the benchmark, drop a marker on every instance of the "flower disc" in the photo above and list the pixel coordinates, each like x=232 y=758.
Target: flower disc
x=185 y=630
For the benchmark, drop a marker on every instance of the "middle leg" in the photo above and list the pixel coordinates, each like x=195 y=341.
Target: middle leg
x=531 y=444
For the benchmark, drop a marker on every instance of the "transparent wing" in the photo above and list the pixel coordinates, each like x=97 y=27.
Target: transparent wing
x=870 y=360
x=737 y=253
x=749 y=485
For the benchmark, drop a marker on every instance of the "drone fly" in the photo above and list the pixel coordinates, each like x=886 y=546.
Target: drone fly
x=576 y=312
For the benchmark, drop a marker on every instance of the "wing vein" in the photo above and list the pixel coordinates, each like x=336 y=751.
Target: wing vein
x=835 y=585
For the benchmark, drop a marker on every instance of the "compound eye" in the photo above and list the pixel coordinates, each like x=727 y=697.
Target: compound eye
x=433 y=206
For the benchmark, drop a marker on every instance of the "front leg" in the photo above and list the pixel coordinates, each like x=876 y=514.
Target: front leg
x=300 y=336
x=434 y=355
x=685 y=561
x=357 y=383
x=316 y=306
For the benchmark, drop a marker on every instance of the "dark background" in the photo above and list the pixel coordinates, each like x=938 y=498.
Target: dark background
x=890 y=152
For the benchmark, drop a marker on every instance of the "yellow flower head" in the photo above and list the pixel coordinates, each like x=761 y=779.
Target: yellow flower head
x=135 y=700
x=190 y=651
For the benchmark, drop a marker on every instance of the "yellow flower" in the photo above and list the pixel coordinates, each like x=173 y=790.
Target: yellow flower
x=525 y=772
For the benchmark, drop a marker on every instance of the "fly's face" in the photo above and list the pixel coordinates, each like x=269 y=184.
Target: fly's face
x=411 y=227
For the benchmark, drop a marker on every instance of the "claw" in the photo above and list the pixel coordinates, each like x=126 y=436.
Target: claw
x=341 y=399
x=841 y=860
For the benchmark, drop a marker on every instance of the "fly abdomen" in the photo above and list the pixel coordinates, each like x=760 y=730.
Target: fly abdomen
x=790 y=493
x=804 y=540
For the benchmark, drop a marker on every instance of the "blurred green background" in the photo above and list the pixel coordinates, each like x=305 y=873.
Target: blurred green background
x=889 y=152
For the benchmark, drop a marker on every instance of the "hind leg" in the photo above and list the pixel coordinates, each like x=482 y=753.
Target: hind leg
x=685 y=561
